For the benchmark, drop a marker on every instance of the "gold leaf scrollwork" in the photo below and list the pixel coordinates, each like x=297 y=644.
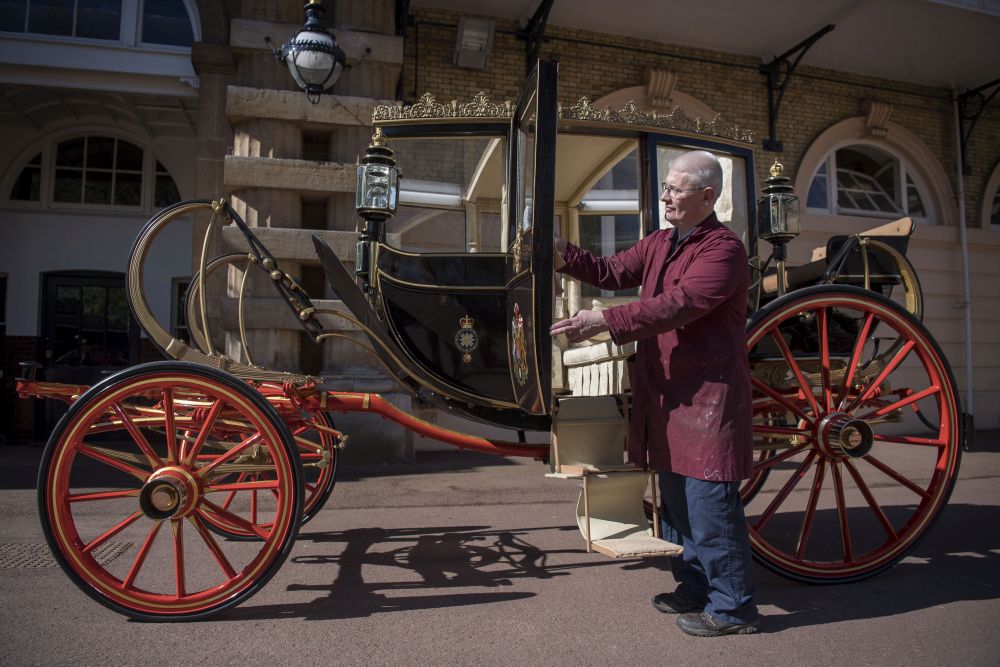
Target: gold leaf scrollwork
x=675 y=119
x=427 y=106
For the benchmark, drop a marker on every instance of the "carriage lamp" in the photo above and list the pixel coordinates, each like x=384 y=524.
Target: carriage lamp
x=312 y=54
x=778 y=218
x=375 y=200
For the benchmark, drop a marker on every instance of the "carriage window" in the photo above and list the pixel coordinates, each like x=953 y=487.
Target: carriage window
x=867 y=181
x=731 y=207
x=609 y=217
x=450 y=195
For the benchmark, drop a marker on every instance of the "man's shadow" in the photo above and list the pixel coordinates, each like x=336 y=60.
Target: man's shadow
x=958 y=560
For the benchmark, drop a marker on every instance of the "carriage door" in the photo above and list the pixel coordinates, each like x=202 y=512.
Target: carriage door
x=530 y=192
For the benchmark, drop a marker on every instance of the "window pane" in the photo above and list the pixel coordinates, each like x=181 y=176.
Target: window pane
x=844 y=200
x=167 y=194
x=118 y=314
x=97 y=189
x=94 y=308
x=98 y=19
x=914 y=202
x=51 y=17
x=166 y=22
x=12 y=15
x=28 y=185
x=70 y=153
x=129 y=156
x=128 y=189
x=817 y=191
x=68 y=186
x=100 y=153
x=604 y=235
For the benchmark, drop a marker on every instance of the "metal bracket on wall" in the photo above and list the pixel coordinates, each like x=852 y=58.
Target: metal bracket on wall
x=534 y=33
x=971 y=105
x=779 y=72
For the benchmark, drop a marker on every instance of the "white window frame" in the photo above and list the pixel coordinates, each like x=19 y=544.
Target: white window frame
x=48 y=149
x=903 y=170
x=129 y=32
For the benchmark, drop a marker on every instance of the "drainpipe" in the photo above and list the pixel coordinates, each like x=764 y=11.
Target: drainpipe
x=966 y=292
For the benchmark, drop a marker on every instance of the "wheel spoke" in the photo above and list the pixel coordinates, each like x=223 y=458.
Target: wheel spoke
x=908 y=483
x=138 y=437
x=228 y=455
x=870 y=499
x=178 y=528
x=807 y=521
x=859 y=347
x=771 y=461
x=796 y=477
x=890 y=367
x=140 y=557
x=778 y=398
x=903 y=402
x=230 y=519
x=244 y=486
x=910 y=440
x=779 y=340
x=845 y=530
x=206 y=428
x=782 y=430
x=173 y=456
x=88 y=450
x=101 y=495
x=111 y=532
x=824 y=357
x=212 y=545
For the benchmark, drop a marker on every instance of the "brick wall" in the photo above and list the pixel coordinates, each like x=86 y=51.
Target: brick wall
x=594 y=64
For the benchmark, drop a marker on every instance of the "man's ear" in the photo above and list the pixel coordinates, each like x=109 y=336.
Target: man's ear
x=709 y=196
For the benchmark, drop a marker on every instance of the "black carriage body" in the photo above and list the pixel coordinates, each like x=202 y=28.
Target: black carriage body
x=468 y=331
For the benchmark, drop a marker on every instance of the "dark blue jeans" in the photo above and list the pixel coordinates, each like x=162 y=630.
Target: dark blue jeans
x=706 y=518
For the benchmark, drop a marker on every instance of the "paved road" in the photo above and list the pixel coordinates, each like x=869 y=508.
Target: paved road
x=470 y=560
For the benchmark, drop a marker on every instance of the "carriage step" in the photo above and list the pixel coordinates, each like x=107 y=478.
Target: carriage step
x=638 y=546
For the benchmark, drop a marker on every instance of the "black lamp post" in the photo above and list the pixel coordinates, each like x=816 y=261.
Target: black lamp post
x=312 y=55
x=778 y=218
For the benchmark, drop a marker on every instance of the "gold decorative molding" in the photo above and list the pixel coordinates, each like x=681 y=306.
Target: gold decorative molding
x=676 y=119
x=482 y=107
x=427 y=107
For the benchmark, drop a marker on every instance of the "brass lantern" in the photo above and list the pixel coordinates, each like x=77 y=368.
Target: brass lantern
x=377 y=194
x=778 y=209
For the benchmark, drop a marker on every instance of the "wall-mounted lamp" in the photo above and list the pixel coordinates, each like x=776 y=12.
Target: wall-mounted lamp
x=474 y=42
x=312 y=54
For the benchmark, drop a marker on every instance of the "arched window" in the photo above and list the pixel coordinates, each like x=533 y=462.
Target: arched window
x=94 y=171
x=867 y=180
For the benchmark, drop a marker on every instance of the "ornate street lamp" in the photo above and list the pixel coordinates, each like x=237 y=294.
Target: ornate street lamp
x=312 y=55
x=778 y=218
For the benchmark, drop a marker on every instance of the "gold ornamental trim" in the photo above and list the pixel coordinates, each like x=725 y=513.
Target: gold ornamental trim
x=675 y=119
x=483 y=108
x=427 y=107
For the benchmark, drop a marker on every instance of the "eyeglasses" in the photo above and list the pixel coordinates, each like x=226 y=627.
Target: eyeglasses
x=673 y=192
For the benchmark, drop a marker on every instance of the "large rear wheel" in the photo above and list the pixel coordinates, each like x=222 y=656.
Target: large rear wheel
x=856 y=431
x=132 y=477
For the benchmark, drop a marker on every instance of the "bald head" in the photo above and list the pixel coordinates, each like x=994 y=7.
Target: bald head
x=702 y=169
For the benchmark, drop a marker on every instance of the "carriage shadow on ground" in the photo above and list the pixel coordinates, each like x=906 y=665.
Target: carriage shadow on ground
x=430 y=568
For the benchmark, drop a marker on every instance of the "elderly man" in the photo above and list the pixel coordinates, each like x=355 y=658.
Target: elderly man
x=691 y=389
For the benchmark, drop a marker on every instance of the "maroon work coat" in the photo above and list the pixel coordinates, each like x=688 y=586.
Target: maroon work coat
x=691 y=380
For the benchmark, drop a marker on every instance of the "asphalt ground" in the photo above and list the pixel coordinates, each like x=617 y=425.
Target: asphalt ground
x=464 y=559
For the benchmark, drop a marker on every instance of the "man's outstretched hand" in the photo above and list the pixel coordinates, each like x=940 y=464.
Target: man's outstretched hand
x=585 y=324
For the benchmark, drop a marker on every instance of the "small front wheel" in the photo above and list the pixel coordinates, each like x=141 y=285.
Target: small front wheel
x=132 y=477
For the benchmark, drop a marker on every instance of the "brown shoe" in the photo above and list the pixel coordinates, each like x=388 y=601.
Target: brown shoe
x=704 y=624
x=672 y=603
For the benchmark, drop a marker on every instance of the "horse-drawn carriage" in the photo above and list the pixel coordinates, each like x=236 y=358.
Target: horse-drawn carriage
x=209 y=464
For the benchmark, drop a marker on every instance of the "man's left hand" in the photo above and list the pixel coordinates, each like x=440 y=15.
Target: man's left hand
x=585 y=324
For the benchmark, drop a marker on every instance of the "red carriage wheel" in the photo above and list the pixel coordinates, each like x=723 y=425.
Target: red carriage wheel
x=317 y=442
x=126 y=491
x=857 y=429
